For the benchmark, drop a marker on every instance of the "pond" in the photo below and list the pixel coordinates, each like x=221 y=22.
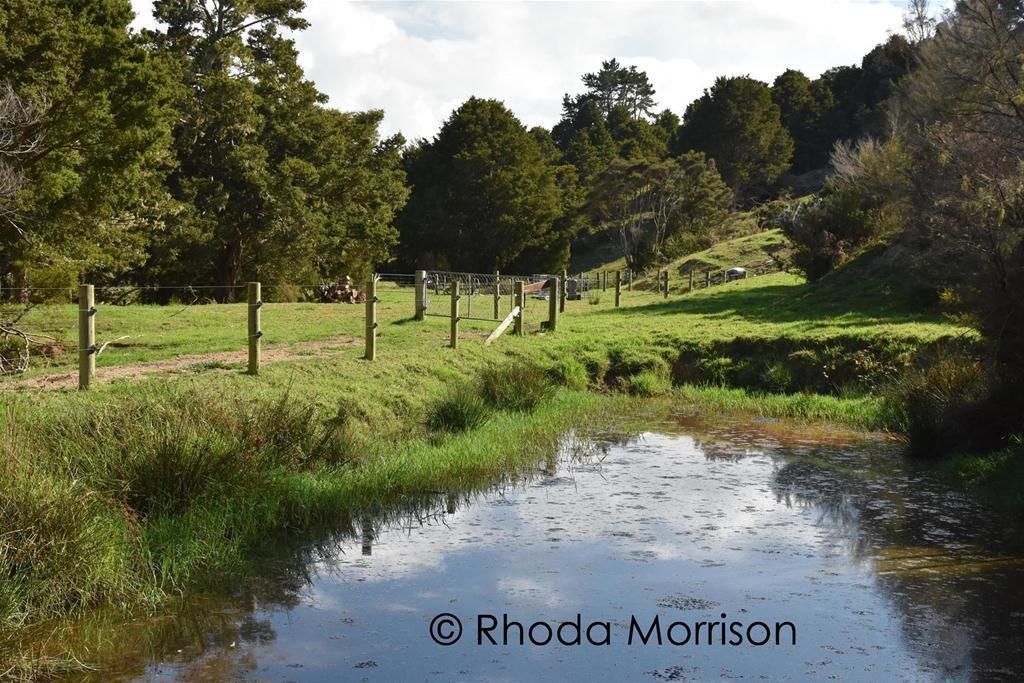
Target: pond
x=825 y=554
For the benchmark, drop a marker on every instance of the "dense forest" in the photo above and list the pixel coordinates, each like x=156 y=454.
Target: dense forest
x=199 y=153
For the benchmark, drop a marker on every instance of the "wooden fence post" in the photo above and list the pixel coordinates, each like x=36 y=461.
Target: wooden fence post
x=561 y=292
x=371 y=317
x=520 y=294
x=665 y=276
x=255 y=332
x=553 y=297
x=629 y=281
x=497 y=293
x=421 y=294
x=618 y=287
x=455 y=314
x=725 y=277
x=707 y=279
x=604 y=284
x=86 y=335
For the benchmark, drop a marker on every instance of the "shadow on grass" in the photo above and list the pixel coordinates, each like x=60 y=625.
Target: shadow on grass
x=789 y=304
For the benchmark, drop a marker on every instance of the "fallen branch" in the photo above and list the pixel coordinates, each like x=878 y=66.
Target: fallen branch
x=108 y=343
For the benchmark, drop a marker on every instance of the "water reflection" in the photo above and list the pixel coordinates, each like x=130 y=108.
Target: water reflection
x=886 y=574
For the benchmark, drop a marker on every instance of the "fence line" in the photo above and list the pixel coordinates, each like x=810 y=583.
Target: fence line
x=462 y=287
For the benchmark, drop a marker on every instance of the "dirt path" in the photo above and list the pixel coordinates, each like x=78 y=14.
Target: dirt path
x=69 y=380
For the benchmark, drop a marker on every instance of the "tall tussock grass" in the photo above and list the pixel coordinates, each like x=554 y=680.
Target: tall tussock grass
x=92 y=495
x=516 y=385
x=936 y=406
x=460 y=410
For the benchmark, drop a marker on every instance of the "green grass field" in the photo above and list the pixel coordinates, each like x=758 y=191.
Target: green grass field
x=772 y=306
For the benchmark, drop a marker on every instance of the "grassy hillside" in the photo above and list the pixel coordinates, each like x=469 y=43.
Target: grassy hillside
x=759 y=251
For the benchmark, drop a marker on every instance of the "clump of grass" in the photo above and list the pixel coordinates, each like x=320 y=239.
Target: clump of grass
x=649 y=383
x=160 y=450
x=571 y=373
x=866 y=412
x=593 y=297
x=934 y=406
x=62 y=546
x=517 y=386
x=777 y=376
x=462 y=409
x=85 y=488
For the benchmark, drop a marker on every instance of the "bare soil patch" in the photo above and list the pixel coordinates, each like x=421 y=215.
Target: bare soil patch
x=133 y=371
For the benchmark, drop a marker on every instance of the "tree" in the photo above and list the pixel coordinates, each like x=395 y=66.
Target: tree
x=483 y=193
x=918 y=22
x=652 y=206
x=636 y=138
x=273 y=184
x=585 y=140
x=800 y=105
x=969 y=154
x=610 y=119
x=90 y=120
x=19 y=137
x=616 y=85
x=860 y=95
x=736 y=123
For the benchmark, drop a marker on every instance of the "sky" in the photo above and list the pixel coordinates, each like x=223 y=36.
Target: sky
x=418 y=61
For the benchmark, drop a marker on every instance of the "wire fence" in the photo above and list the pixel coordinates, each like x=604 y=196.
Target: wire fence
x=42 y=327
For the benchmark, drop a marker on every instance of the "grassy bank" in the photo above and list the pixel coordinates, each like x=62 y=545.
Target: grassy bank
x=996 y=478
x=162 y=488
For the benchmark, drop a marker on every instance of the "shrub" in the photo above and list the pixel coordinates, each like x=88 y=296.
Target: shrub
x=460 y=410
x=934 y=406
x=866 y=199
x=515 y=386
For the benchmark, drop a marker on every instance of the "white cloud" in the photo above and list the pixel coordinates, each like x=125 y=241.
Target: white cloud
x=418 y=61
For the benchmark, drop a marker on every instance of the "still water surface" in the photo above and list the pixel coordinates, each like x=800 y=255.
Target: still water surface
x=885 y=574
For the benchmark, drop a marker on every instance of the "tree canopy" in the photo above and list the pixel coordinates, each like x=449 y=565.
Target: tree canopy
x=736 y=123
x=484 y=191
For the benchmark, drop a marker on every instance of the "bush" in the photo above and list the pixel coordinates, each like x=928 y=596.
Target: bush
x=935 y=406
x=515 y=386
x=593 y=297
x=865 y=200
x=460 y=410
